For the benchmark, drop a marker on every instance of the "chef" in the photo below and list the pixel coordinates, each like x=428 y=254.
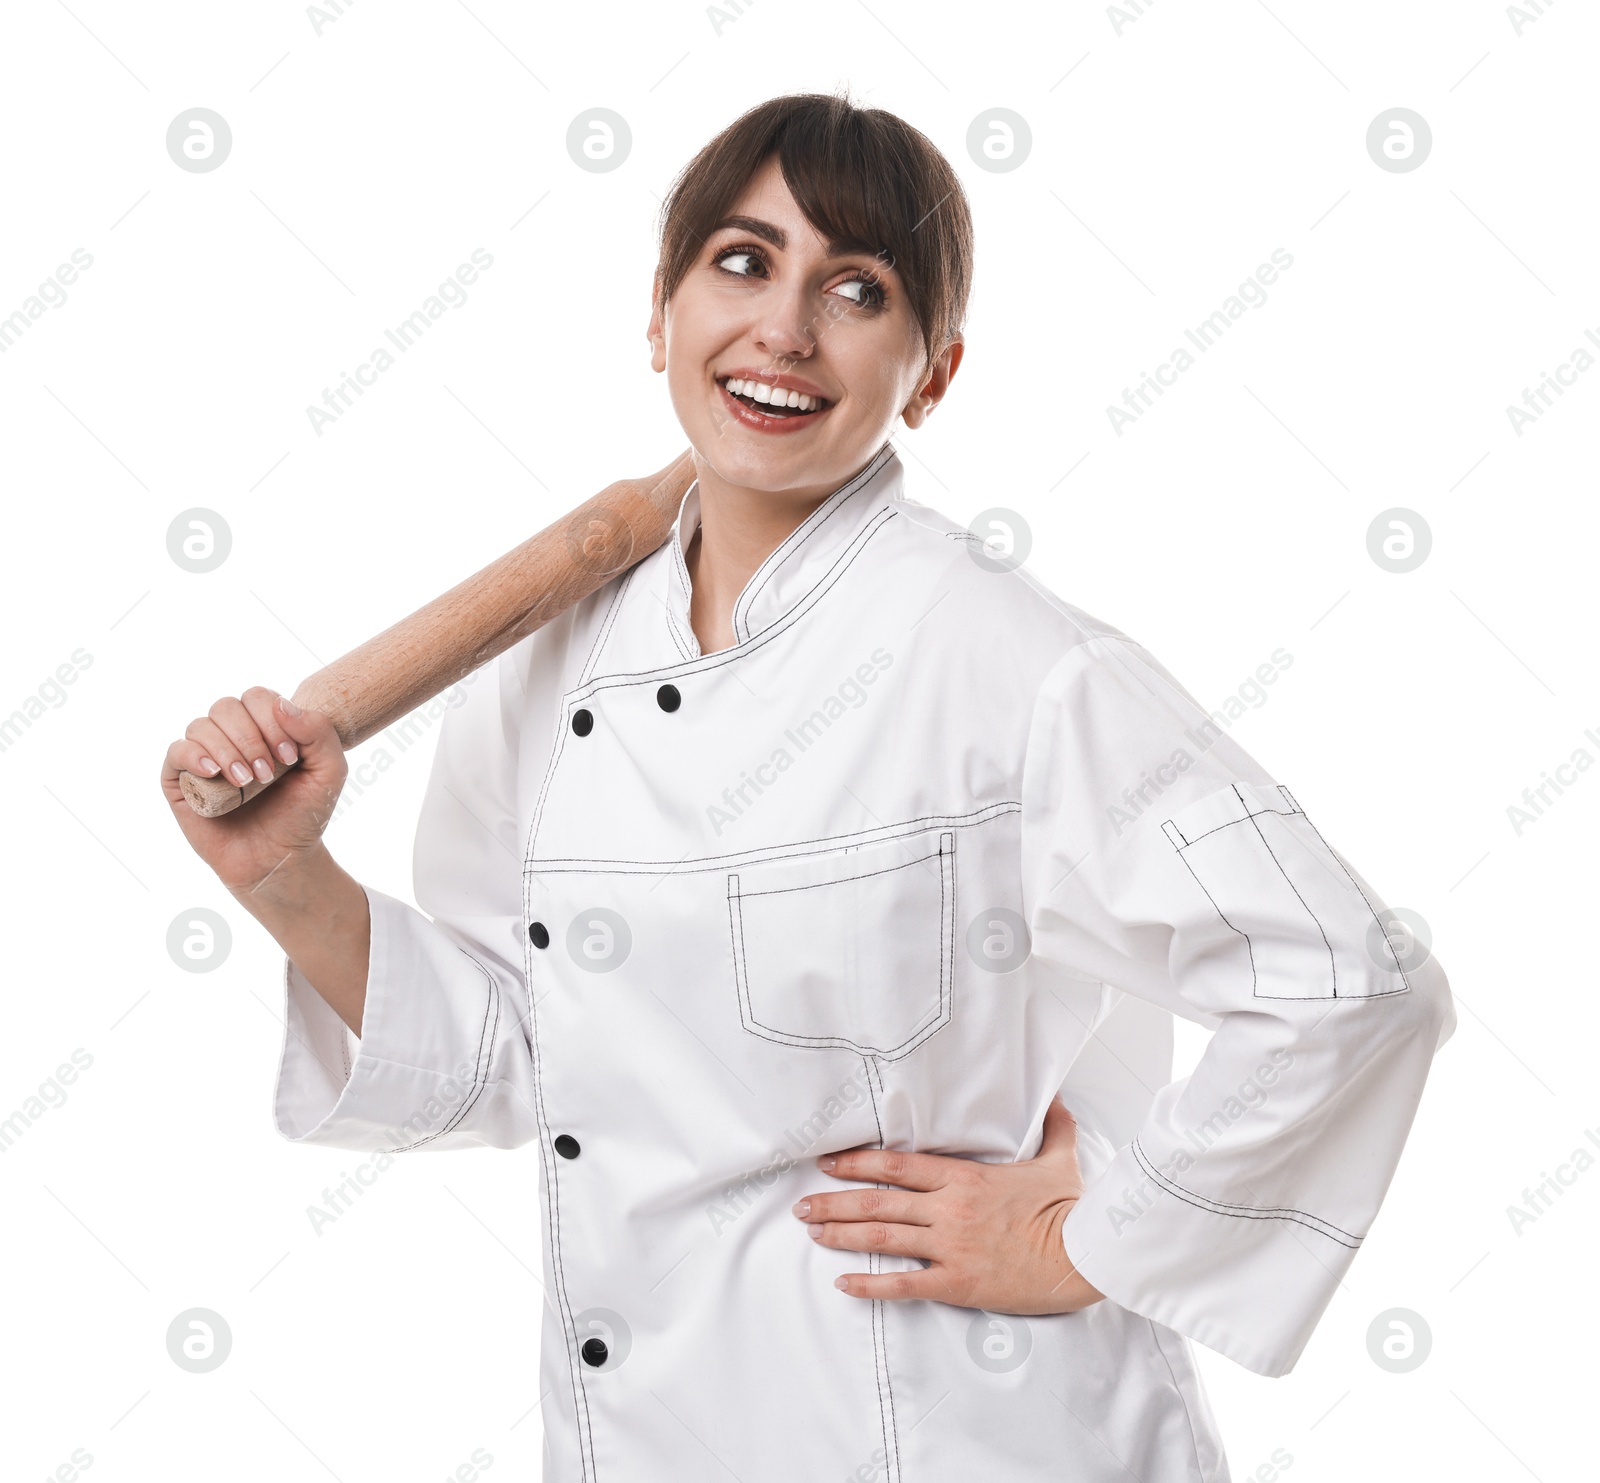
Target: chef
x=824 y=927
x=870 y=879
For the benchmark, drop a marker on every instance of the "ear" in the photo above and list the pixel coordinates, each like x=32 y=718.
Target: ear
x=932 y=390
x=656 y=330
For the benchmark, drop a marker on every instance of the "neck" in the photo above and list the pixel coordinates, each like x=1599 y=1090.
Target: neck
x=739 y=528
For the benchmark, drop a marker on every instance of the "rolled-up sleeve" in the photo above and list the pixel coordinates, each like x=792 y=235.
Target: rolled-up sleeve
x=1163 y=862
x=444 y=1059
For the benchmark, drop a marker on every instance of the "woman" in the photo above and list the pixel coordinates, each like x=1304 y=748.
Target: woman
x=779 y=888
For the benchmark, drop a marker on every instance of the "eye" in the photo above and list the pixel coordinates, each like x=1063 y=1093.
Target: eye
x=738 y=261
x=869 y=293
x=745 y=260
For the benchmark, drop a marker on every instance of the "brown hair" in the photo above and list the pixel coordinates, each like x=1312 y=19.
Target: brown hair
x=858 y=174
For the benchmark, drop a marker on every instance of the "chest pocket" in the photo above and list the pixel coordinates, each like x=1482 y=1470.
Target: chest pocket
x=851 y=951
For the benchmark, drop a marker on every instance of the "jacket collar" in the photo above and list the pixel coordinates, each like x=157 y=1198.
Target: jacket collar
x=801 y=560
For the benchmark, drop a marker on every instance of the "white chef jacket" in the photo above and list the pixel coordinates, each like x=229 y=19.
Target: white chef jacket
x=924 y=848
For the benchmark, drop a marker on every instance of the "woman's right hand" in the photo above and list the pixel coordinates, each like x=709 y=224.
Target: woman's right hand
x=282 y=825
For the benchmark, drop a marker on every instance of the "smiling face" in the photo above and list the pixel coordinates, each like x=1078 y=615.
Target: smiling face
x=790 y=358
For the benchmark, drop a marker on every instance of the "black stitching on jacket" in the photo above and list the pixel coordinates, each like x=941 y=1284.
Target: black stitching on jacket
x=1282 y=813
x=547 y=1161
x=875 y=1310
x=880 y=1371
x=606 y=624
x=714 y=661
x=872 y=1096
x=888 y=1387
x=880 y=1322
x=1363 y=895
x=844 y=879
x=1248 y=946
x=688 y=644
x=1175 y=834
x=769 y=854
x=674 y=628
x=928 y=1026
x=1247 y=1212
x=798 y=536
x=748 y=646
x=480 y=1064
x=1333 y=962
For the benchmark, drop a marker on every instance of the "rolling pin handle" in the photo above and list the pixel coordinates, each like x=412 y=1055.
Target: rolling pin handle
x=213 y=797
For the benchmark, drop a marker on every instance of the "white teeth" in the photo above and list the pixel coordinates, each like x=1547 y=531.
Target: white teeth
x=775 y=396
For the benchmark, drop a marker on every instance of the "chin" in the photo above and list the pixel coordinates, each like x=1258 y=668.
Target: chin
x=774 y=469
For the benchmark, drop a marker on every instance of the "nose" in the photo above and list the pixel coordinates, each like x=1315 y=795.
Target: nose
x=785 y=326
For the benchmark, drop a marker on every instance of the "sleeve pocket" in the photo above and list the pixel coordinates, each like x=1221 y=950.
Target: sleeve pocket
x=1301 y=924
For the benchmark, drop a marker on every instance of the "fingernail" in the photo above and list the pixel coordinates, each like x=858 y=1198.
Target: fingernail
x=288 y=705
x=287 y=752
x=208 y=767
x=239 y=773
x=802 y=1208
x=263 y=769
x=842 y=1283
x=826 y=1163
x=815 y=1232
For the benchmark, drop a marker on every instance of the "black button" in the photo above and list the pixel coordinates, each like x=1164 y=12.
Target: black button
x=582 y=722
x=567 y=1146
x=538 y=934
x=594 y=1352
x=667 y=698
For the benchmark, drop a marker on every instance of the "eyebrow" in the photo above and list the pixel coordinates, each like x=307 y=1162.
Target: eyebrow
x=842 y=247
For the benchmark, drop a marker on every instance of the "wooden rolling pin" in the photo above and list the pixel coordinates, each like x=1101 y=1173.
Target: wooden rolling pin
x=374 y=685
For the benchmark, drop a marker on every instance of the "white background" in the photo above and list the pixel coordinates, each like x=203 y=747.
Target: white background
x=1167 y=162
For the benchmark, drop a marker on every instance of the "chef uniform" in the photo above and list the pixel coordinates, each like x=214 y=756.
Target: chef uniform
x=925 y=847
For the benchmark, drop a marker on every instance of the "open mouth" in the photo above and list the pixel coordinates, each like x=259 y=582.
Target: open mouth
x=773 y=402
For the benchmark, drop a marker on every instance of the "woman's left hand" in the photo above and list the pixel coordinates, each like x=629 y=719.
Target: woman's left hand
x=991 y=1232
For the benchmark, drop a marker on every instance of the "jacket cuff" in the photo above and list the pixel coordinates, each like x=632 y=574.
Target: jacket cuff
x=1250 y=1284
x=422 y=1054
